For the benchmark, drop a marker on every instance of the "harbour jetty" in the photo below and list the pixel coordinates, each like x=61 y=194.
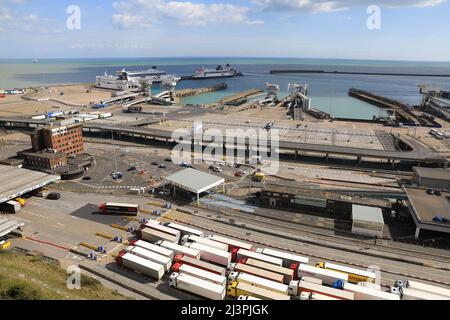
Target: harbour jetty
x=236 y=99
x=193 y=92
x=361 y=73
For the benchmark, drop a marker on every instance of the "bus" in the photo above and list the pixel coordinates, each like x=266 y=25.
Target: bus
x=119 y=209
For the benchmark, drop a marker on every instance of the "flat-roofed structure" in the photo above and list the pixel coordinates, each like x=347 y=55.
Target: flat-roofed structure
x=367 y=221
x=17 y=181
x=10 y=225
x=194 y=181
x=432 y=177
x=429 y=212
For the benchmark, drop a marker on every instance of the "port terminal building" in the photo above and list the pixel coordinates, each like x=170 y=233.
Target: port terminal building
x=194 y=182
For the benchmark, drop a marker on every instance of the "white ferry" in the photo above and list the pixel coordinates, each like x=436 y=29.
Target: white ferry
x=219 y=72
x=121 y=82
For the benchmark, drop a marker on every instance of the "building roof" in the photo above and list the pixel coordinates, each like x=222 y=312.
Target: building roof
x=16 y=182
x=195 y=181
x=44 y=154
x=369 y=214
x=434 y=173
x=426 y=207
x=7 y=226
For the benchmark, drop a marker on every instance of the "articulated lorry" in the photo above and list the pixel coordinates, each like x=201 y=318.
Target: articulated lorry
x=197 y=286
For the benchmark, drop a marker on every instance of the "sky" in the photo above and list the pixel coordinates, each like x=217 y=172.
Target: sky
x=403 y=29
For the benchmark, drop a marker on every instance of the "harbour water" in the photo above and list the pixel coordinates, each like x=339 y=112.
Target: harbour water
x=328 y=91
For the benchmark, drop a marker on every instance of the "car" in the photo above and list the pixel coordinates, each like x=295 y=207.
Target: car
x=184 y=164
x=129 y=170
x=231 y=164
x=430 y=191
x=240 y=174
x=437 y=193
x=54 y=196
x=217 y=169
x=162 y=166
x=86 y=179
x=168 y=159
x=154 y=163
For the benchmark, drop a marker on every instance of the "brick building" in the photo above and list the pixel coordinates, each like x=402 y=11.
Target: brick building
x=65 y=139
x=44 y=159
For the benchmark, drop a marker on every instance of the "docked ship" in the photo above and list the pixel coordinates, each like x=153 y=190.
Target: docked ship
x=220 y=72
x=120 y=82
x=152 y=75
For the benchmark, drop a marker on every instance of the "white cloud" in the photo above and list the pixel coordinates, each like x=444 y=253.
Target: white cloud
x=316 y=6
x=144 y=13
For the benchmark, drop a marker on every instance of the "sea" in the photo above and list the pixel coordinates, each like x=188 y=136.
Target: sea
x=329 y=92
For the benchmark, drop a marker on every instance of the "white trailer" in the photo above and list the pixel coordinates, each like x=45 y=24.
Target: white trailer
x=185 y=251
x=211 y=254
x=205 y=241
x=297 y=287
x=288 y=258
x=328 y=277
x=366 y=293
x=152 y=235
x=232 y=244
x=186 y=231
x=237 y=289
x=258 y=282
x=152 y=256
x=239 y=267
x=315 y=296
x=199 y=273
x=313 y=280
x=288 y=274
x=354 y=275
x=141 y=265
x=158 y=227
x=248 y=298
x=197 y=286
x=245 y=254
x=426 y=287
x=414 y=294
x=154 y=248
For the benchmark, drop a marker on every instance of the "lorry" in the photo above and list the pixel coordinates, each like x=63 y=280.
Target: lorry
x=258 y=282
x=232 y=244
x=211 y=254
x=422 y=287
x=154 y=248
x=197 y=286
x=247 y=298
x=186 y=231
x=152 y=235
x=238 y=254
x=152 y=256
x=365 y=293
x=414 y=294
x=199 y=273
x=200 y=264
x=354 y=275
x=158 y=227
x=21 y=201
x=204 y=241
x=10 y=206
x=315 y=296
x=288 y=274
x=177 y=249
x=288 y=258
x=296 y=287
x=328 y=277
x=236 y=289
x=140 y=265
x=239 y=267
x=119 y=209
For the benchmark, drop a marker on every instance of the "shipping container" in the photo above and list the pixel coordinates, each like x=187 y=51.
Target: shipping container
x=153 y=247
x=354 y=275
x=365 y=293
x=328 y=277
x=152 y=235
x=199 y=273
x=185 y=251
x=186 y=231
x=140 y=265
x=236 y=289
x=239 y=267
x=239 y=254
x=232 y=244
x=211 y=254
x=288 y=258
x=298 y=286
x=197 y=286
x=258 y=282
x=158 y=227
x=200 y=264
x=152 y=256
x=205 y=241
x=288 y=274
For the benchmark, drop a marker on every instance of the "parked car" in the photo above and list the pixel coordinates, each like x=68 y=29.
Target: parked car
x=154 y=163
x=86 y=179
x=430 y=191
x=437 y=193
x=54 y=196
x=162 y=166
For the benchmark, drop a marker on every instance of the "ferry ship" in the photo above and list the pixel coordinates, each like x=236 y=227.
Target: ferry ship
x=219 y=72
x=152 y=75
x=120 y=82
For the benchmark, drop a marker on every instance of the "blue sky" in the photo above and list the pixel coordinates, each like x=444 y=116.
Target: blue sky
x=410 y=29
